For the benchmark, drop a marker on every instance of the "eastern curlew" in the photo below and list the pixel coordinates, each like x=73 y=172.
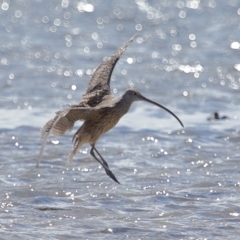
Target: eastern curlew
x=99 y=110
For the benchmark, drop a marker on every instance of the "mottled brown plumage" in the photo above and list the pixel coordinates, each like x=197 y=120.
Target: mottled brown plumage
x=99 y=110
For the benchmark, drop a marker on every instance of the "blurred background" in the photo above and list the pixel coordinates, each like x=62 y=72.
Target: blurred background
x=175 y=183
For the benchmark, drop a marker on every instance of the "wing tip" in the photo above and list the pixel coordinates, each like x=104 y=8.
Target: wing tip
x=128 y=42
x=132 y=38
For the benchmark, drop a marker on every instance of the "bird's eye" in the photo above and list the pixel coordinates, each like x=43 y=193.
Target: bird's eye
x=134 y=93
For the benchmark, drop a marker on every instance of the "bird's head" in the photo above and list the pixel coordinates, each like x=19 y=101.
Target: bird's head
x=132 y=95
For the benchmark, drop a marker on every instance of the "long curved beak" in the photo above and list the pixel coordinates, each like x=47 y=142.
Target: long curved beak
x=159 y=105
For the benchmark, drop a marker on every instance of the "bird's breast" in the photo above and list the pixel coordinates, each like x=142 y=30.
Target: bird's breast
x=102 y=123
x=108 y=122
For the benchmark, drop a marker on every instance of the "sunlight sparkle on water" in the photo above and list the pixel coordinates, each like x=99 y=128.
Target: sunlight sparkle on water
x=192 y=36
x=5 y=6
x=83 y=7
x=234 y=214
x=55 y=142
x=235 y=45
x=130 y=60
x=237 y=66
x=73 y=87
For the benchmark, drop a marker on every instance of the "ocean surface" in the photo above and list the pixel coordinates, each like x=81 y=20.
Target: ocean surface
x=176 y=183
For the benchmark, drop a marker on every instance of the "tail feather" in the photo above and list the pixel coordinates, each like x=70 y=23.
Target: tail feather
x=76 y=146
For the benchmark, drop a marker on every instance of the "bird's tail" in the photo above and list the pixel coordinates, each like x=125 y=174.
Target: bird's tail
x=79 y=139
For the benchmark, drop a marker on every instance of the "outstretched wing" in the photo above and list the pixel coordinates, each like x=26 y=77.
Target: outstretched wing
x=99 y=85
x=64 y=121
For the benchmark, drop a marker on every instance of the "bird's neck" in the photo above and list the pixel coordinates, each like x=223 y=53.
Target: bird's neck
x=123 y=105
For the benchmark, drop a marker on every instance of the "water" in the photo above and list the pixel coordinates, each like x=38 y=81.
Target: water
x=175 y=183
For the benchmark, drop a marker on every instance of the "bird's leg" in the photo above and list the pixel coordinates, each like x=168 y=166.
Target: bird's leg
x=106 y=164
x=103 y=164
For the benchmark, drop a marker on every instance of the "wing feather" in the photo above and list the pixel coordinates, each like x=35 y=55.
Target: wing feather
x=99 y=85
x=64 y=121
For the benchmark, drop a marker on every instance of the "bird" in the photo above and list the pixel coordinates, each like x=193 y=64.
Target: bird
x=215 y=116
x=99 y=110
